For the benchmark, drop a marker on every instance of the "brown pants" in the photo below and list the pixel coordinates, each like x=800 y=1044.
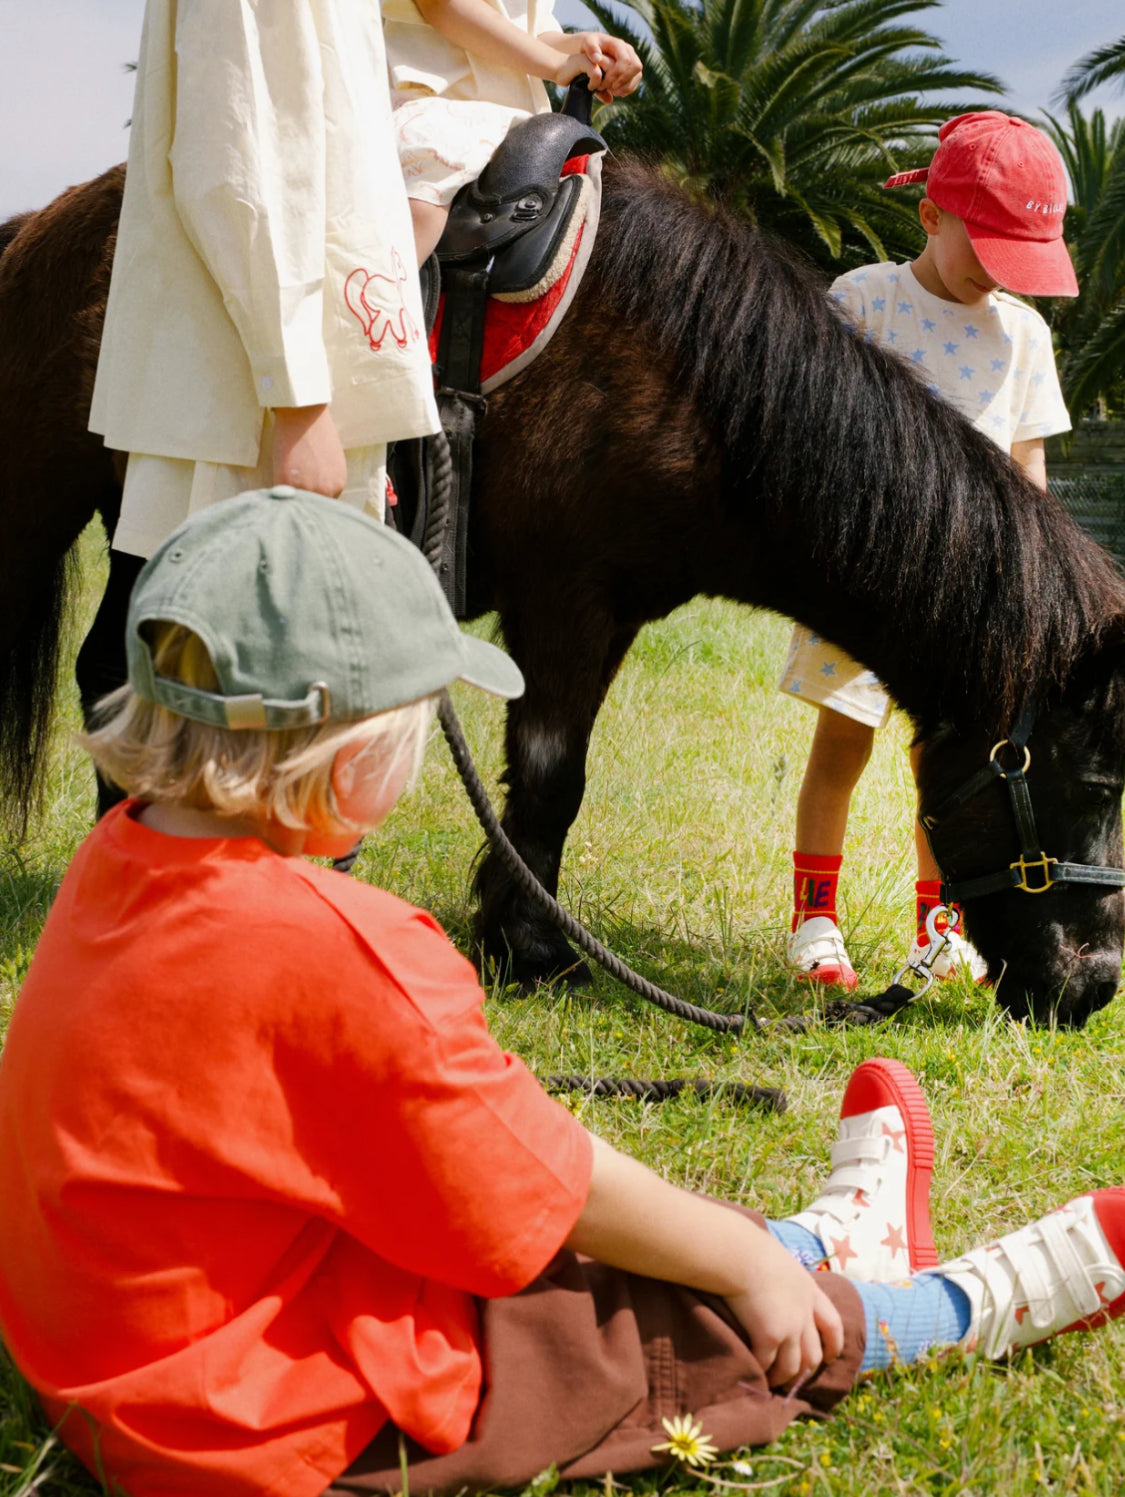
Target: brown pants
x=580 y=1369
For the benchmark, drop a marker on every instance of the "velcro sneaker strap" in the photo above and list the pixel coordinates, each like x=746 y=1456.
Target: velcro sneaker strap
x=1072 y=1273
x=240 y=712
x=848 y=1178
x=999 y=1288
x=866 y=1150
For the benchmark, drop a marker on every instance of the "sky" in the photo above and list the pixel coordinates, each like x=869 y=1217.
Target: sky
x=65 y=94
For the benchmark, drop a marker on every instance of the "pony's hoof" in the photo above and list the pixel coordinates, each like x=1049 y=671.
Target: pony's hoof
x=577 y=975
x=529 y=971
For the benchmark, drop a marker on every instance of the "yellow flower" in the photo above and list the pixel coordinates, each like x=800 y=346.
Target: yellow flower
x=687 y=1442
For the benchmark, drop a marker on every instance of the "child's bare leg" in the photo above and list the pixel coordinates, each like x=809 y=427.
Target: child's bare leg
x=429 y=224
x=840 y=750
x=927 y=892
x=927 y=867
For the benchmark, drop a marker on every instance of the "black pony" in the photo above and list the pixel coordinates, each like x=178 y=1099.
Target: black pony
x=703 y=422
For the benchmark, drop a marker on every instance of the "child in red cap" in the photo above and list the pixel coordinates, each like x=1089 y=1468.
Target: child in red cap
x=993 y=217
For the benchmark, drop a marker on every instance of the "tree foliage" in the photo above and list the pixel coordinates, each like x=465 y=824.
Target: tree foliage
x=791 y=112
x=1103 y=65
x=1091 y=329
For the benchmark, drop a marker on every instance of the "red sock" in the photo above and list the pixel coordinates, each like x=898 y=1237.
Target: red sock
x=815 y=876
x=927 y=893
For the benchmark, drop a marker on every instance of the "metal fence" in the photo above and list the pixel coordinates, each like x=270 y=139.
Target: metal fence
x=1096 y=499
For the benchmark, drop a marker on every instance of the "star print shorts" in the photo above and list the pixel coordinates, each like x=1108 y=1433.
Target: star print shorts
x=819 y=673
x=444 y=143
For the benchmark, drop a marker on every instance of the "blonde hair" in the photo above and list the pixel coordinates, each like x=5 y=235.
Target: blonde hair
x=282 y=774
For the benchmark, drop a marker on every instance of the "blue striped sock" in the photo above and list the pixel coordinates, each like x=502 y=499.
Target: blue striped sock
x=905 y=1320
x=804 y=1245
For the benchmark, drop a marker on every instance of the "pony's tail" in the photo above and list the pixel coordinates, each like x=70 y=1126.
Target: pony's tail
x=28 y=678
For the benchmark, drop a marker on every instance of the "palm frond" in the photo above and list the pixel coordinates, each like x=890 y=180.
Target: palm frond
x=1103 y=65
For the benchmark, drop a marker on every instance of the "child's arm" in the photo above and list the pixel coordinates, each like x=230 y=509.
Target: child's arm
x=634 y=1220
x=474 y=25
x=619 y=63
x=1032 y=458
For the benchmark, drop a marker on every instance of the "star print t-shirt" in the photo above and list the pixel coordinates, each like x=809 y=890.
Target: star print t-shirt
x=993 y=362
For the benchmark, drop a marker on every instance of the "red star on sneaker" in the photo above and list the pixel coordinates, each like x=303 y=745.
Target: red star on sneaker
x=1021 y=1311
x=1102 y=1294
x=860 y=1198
x=897 y=1138
x=842 y=1250
x=895 y=1240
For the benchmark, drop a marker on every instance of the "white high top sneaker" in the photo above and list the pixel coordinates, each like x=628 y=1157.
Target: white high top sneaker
x=1060 y=1273
x=873 y=1215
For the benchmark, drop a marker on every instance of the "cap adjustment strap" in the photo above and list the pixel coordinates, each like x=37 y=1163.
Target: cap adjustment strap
x=251 y=710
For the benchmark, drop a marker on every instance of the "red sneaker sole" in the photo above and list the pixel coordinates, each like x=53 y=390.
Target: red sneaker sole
x=828 y=976
x=1109 y=1207
x=888 y=1083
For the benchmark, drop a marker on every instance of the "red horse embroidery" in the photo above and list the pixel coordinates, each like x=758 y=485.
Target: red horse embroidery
x=363 y=299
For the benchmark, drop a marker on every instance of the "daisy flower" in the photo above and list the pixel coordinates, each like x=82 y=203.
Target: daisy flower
x=687 y=1442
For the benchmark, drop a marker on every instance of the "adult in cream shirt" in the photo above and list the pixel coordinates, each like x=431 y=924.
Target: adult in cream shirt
x=263 y=264
x=264 y=322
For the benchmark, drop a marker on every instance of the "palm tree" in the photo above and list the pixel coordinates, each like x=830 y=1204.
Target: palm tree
x=1091 y=330
x=1100 y=66
x=792 y=112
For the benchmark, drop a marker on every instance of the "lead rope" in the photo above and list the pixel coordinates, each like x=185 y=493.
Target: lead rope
x=770 y=1098
x=570 y=927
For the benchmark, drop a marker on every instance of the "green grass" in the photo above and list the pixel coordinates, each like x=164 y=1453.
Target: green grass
x=680 y=862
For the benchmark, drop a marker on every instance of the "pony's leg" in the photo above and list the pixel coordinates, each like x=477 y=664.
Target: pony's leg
x=100 y=667
x=568 y=671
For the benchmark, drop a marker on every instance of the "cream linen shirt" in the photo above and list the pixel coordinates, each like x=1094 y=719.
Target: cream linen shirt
x=265 y=253
x=421 y=61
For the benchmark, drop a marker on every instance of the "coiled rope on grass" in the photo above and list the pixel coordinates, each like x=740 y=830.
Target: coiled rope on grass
x=769 y=1097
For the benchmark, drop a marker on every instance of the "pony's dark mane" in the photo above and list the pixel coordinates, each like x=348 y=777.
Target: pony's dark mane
x=10 y=228
x=950 y=540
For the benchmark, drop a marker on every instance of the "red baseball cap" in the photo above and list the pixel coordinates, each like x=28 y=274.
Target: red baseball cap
x=1006 y=181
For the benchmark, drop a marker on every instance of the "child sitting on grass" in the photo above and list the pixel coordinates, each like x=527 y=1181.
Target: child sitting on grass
x=280 y=1215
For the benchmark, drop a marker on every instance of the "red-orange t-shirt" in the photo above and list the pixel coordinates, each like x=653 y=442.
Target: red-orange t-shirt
x=258 y=1153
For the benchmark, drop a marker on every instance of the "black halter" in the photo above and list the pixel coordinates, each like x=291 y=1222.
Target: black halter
x=1033 y=872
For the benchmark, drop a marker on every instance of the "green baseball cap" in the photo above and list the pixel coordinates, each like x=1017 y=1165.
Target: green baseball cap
x=311 y=612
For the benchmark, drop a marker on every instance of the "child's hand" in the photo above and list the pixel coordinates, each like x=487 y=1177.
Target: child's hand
x=612 y=64
x=307 y=452
x=792 y=1324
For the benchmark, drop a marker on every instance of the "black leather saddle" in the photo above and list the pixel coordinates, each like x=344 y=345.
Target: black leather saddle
x=516 y=211
x=503 y=234
x=512 y=219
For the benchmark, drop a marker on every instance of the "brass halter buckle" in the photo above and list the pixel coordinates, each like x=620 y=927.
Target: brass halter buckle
x=1043 y=864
